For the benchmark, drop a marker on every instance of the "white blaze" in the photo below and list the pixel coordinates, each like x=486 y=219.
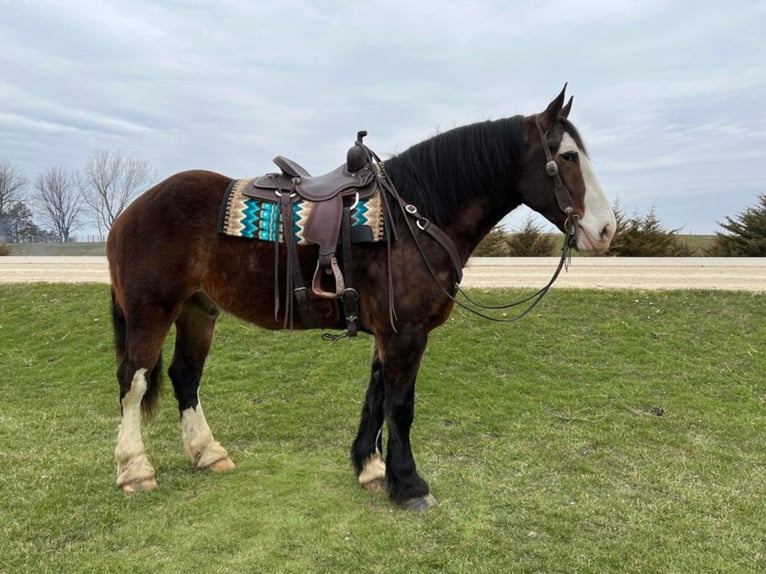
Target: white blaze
x=597 y=226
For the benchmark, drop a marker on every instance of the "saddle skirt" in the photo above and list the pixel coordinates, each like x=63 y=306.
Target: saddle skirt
x=253 y=213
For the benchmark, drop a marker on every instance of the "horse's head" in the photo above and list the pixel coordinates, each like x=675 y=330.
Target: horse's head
x=558 y=180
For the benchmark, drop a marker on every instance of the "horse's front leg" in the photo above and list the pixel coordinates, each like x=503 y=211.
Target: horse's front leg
x=401 y=354
x=368 y=446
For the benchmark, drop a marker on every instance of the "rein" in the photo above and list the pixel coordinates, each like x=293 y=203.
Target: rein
x=410 y=212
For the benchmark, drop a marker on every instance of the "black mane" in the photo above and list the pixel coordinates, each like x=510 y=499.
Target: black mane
x=441 y=174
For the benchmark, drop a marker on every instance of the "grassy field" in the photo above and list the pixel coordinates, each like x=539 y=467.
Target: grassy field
x=607 y=432
x=697 y=243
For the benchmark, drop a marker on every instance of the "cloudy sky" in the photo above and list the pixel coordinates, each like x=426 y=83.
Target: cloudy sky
x=669 y=96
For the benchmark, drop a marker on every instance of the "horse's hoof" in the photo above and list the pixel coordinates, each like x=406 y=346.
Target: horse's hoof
x=420 y=503
x=222 y=465
x=144 y=485
x=377 y=485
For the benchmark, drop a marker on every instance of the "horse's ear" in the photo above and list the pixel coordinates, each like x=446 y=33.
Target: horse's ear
x=551 y=113
x=564 y=113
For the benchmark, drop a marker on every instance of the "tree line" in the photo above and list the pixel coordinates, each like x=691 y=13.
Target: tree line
x=65 y=201
x=97 y=194
x=743 y=235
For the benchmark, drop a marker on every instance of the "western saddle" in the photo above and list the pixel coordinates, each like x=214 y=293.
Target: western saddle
x=333 y=195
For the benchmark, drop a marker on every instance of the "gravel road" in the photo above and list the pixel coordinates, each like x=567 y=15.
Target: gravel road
x=734 y=273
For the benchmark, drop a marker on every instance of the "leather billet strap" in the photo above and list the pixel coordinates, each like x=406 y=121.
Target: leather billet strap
x=294 y=286
x=350 y=299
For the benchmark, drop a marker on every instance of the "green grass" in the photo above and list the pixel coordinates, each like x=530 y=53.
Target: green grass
x=699 y=244
x=610 y=431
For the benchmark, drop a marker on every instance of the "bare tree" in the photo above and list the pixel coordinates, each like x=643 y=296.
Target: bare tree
x=110 y=182
x=60 y=202
x=12 y=185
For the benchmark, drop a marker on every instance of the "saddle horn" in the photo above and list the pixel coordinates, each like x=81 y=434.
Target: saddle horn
x=357 y=156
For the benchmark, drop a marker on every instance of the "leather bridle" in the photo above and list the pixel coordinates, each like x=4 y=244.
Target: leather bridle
x=563 y=197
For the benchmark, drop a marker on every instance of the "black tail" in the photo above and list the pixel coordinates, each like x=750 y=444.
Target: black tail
x=120 y=328
x=154 y=381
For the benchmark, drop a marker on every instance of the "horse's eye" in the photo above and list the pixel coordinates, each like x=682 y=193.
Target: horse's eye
x=569 y=156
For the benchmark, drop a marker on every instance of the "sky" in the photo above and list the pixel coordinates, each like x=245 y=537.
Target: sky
x=669 y=96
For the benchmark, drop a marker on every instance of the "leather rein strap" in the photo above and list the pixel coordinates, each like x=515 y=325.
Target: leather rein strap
x=564 y=200
x=424 y=224
x=411 y=215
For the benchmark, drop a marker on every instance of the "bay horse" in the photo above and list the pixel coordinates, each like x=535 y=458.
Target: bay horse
x=169 y=265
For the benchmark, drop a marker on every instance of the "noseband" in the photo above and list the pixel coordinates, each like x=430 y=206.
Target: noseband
x=563 y=197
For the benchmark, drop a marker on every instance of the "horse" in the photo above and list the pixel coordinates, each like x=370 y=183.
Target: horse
x=170 y=265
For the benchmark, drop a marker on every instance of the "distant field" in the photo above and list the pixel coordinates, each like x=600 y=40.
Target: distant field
x=75 y=249
x=697 y=243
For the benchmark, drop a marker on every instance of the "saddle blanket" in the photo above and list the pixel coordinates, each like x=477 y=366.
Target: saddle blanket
x=251 y=218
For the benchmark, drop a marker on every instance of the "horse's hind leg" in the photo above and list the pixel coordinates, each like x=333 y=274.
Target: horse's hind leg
x=134 y=471
x=366 y=451
x=139 y=351
x=194 y=336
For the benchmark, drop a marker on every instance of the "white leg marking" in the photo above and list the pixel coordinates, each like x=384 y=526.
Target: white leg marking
x=200 y=446
x=373 y=469
x=132 y=464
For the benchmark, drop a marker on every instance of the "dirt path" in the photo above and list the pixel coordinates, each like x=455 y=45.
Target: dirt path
x=731 y=273
x=735 y=273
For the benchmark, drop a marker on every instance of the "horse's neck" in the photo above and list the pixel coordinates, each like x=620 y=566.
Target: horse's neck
x=464 y=179
x=483 y=207
x=474 y=222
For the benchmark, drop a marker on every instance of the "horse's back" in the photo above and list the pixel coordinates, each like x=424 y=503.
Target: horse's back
x=185 y=193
